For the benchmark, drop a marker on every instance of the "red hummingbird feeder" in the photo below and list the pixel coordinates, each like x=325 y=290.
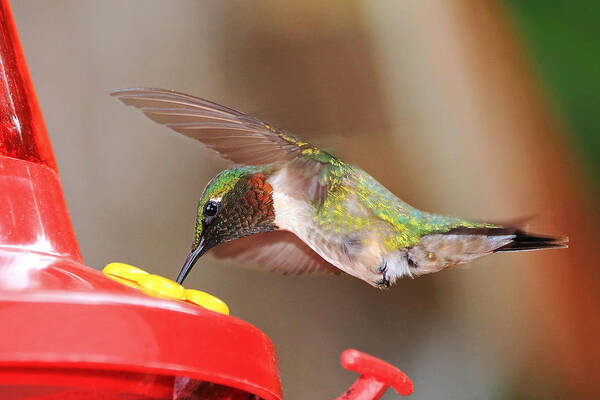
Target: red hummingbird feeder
x=70 y=332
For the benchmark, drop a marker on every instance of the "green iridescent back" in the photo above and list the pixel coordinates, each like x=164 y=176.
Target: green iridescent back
x=399 y=224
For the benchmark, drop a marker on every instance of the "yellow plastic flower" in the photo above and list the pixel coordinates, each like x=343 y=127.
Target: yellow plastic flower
x=159 y=286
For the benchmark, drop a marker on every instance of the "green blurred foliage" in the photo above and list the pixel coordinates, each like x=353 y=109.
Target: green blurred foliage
x=562 y=39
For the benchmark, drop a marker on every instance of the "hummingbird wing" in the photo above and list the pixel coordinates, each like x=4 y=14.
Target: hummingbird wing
x=235 y=136
x=240 y=138
x=280 y=251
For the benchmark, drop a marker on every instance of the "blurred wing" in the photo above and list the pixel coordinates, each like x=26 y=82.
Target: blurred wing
x=280 y=251
x=234 y=135
x=239 y=137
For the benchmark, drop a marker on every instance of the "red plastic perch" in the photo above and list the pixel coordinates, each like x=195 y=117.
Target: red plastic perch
x=375 y=377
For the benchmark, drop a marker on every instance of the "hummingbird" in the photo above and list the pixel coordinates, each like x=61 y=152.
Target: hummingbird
x=287 y=205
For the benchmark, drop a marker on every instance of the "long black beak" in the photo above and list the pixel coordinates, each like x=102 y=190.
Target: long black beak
x=190 y=261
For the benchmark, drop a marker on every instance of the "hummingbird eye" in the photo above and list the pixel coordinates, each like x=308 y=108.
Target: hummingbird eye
x=211 y=208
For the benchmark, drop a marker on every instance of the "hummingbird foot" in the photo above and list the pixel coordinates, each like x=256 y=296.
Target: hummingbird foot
x=384 y=282
x=411 y=263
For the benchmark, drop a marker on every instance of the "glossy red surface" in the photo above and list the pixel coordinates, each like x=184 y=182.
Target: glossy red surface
x=41 y=383
x=22 y=130
x=33 y=214
x=120 y=333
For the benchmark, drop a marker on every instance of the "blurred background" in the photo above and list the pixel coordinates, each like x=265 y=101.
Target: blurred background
x=486 y=109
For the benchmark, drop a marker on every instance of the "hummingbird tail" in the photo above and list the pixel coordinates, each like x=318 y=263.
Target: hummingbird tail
x=464 y=244
x=529 y=241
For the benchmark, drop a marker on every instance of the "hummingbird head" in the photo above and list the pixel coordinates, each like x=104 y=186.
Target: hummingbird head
x=237 y=202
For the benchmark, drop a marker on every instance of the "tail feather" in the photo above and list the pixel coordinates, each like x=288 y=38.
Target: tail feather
x=528 y=241
x=522 y=240
x=460 y=245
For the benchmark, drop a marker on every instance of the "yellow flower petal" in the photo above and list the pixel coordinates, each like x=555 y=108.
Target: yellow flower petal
x=206 y=300
x=124 y=271
x=160 y=285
